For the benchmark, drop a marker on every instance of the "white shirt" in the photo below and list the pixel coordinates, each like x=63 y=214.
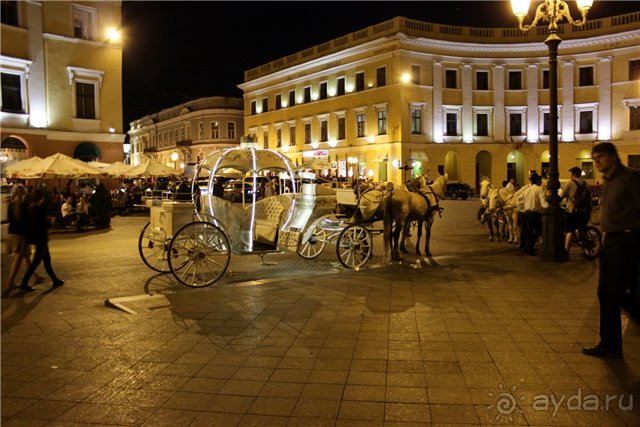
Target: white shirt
x=66 y=209
x=533 y=199
x=510 y=186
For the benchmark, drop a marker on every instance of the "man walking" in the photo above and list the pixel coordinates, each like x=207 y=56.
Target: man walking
x=578 y=207
x=620 y=254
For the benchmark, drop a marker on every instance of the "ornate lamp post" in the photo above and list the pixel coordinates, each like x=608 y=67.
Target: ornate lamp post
x=552 y=11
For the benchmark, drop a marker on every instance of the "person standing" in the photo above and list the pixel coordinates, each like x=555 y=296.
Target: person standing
x=38 y=235
x=511 y=185
x=578 y=207
x=533 y=202
x=620 y=254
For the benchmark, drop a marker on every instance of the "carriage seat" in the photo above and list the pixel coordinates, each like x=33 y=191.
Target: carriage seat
x=268 y=216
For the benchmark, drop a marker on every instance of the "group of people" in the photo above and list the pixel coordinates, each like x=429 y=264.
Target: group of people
x=532 y=201
x=28 y=238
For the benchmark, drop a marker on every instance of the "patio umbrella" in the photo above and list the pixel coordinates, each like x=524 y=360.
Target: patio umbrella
x=117 y=169
x=22 y=167
x=59 y=166
x=151 y=168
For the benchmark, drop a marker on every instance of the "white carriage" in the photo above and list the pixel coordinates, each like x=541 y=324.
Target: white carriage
x=194 y=239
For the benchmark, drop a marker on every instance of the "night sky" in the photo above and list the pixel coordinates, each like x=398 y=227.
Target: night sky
x=179 y=51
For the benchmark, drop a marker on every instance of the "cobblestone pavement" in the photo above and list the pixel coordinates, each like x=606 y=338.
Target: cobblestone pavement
x=478 y=335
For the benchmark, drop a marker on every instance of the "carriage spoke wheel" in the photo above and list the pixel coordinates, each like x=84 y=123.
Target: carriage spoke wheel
x=152 y=246
x=592 y=242
x=200 y=254
x=355 y=246
x=314 y=246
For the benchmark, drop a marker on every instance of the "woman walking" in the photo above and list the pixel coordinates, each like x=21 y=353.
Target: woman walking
x=38 y=235
x=17 y=241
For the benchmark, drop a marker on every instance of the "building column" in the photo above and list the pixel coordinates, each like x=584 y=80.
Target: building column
x=533 y=128
x=604 y=101
x=36 y=77
x=498 y=100
x=568 y=114
x=467 y=103
x=437 y=102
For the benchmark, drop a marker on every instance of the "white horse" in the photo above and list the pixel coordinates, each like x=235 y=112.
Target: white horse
x=502 y=206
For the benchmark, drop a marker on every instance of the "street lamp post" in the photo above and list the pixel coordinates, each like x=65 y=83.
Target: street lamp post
x=552 y=11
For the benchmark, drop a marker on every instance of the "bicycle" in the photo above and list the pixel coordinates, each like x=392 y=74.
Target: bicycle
x=590 y=240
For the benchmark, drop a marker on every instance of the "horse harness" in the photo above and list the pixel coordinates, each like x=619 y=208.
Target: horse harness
x=431 y=208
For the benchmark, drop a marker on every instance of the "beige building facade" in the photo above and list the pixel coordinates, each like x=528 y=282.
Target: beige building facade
x=183 y=135
x=405 y=97
x=61 y=66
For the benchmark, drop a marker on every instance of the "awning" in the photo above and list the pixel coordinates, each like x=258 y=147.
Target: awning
x=420 y=155
x=87 y=151
x=12 y=143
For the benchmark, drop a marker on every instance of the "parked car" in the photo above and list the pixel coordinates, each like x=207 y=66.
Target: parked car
x=232 y=190
x=458 y=191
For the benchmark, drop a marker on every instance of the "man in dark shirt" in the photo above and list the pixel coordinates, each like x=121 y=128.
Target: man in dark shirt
x=38 y=235
x=620 y=255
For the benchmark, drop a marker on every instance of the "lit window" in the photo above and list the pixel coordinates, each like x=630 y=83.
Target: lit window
x=279 y=137
x=307 y=133
x=265 y=139
x=360 y=125
x=215 y=130
x=324 y=130
x=382 y=122
x=84 y=19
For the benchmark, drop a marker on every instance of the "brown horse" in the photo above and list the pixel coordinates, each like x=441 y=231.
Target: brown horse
x=404 y=206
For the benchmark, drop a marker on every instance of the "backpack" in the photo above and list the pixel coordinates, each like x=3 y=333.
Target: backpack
x=582 y=197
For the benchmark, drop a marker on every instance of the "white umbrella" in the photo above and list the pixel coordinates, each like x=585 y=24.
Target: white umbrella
x=99 y=165
x=151 y=168
x=117 y=169
x=24 y=167
x=59 y=166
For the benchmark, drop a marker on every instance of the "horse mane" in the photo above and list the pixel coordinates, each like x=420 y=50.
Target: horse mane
x=439 y=185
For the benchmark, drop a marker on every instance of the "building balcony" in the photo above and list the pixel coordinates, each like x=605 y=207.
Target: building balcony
x=184 y=143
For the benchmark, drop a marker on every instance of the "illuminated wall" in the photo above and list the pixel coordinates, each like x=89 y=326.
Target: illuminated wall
x=431 y=74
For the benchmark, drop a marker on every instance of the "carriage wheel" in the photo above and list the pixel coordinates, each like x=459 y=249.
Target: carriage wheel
x=152 y=246
x=314 y=246
x=200 y=254
x=355 y=246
